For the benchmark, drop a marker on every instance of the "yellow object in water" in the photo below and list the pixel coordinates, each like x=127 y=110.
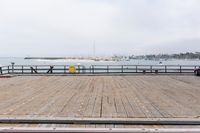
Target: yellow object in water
x=72 y=69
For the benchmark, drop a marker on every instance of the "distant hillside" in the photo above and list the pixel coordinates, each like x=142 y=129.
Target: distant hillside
x=187 y=55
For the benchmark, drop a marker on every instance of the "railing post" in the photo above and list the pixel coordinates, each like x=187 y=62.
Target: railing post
x=180 y=69
x=122 y=69
x=1 y=70
x=50 y=69
x=64 y=69
x=84 y=69
x=8 y=69
x=151 y=69
x=136 y=69
x=79 y=69
x=92 y=69
x=107 y=69
x=31 y=70
x=165 y=69
x=22 y=69
x=13 y=63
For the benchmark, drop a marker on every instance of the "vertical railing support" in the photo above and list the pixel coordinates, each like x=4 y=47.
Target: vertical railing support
x=22 y=69
x=33 y=70
x=180 y=69
x=165 y=69
x=13 y=65
x=8 y=69
x=93 y=69
x=90 y=69
x=136 y=67
x=50 y=70
x=107 y=69
x=84 y=69
x=64 y=69
x=78 y=69
x=1 y=71
x=122 y=69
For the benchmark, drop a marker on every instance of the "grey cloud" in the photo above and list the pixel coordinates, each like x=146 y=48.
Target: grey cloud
x=69 y=27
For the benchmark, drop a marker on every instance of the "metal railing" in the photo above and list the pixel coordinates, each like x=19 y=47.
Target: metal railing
x=3 y=70
x=96 y=69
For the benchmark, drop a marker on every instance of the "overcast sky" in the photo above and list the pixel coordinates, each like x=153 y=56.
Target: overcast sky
x=69 y=27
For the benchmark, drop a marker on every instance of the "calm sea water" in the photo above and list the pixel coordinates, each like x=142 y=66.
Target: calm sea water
x=21 y=61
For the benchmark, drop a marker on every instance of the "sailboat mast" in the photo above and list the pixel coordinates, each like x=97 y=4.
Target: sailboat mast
x=94 y=49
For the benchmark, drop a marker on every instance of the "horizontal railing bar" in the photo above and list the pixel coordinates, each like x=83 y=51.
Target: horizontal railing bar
x=4 y=69
x=107 y=65
x=46 y=65
x=149 y=65
x=3 y=66
x=45 y=73
x=103 y=69
x=20 y=73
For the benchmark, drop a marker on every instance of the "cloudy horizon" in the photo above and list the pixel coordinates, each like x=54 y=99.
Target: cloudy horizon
x=70 y=27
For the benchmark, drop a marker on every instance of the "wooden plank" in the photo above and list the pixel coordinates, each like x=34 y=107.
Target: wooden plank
x=97 y=107
x=133 y=102
x=92 y=98
x=119 y=106
x=108 y=106
x=101 y=96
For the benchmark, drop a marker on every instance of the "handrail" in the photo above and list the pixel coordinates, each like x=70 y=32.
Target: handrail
x=93 y=69
x=149 y=65
x=81 y=69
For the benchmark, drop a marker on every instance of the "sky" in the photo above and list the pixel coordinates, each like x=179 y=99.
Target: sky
x=121 y=27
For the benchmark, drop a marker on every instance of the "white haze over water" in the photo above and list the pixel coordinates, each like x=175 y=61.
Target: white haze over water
x=22 y=61
x=69 y=27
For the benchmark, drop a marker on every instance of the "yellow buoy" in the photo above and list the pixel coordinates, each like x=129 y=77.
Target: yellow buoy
x=72 y=69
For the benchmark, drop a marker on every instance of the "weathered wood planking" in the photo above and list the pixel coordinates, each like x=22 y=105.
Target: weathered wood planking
x=101 y=96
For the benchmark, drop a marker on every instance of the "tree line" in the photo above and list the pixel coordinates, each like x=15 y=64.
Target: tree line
x=187 y=55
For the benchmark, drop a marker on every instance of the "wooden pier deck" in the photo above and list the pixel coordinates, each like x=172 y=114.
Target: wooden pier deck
x=150 y=96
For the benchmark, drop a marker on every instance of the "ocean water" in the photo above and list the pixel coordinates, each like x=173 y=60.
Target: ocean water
x=4 y=61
